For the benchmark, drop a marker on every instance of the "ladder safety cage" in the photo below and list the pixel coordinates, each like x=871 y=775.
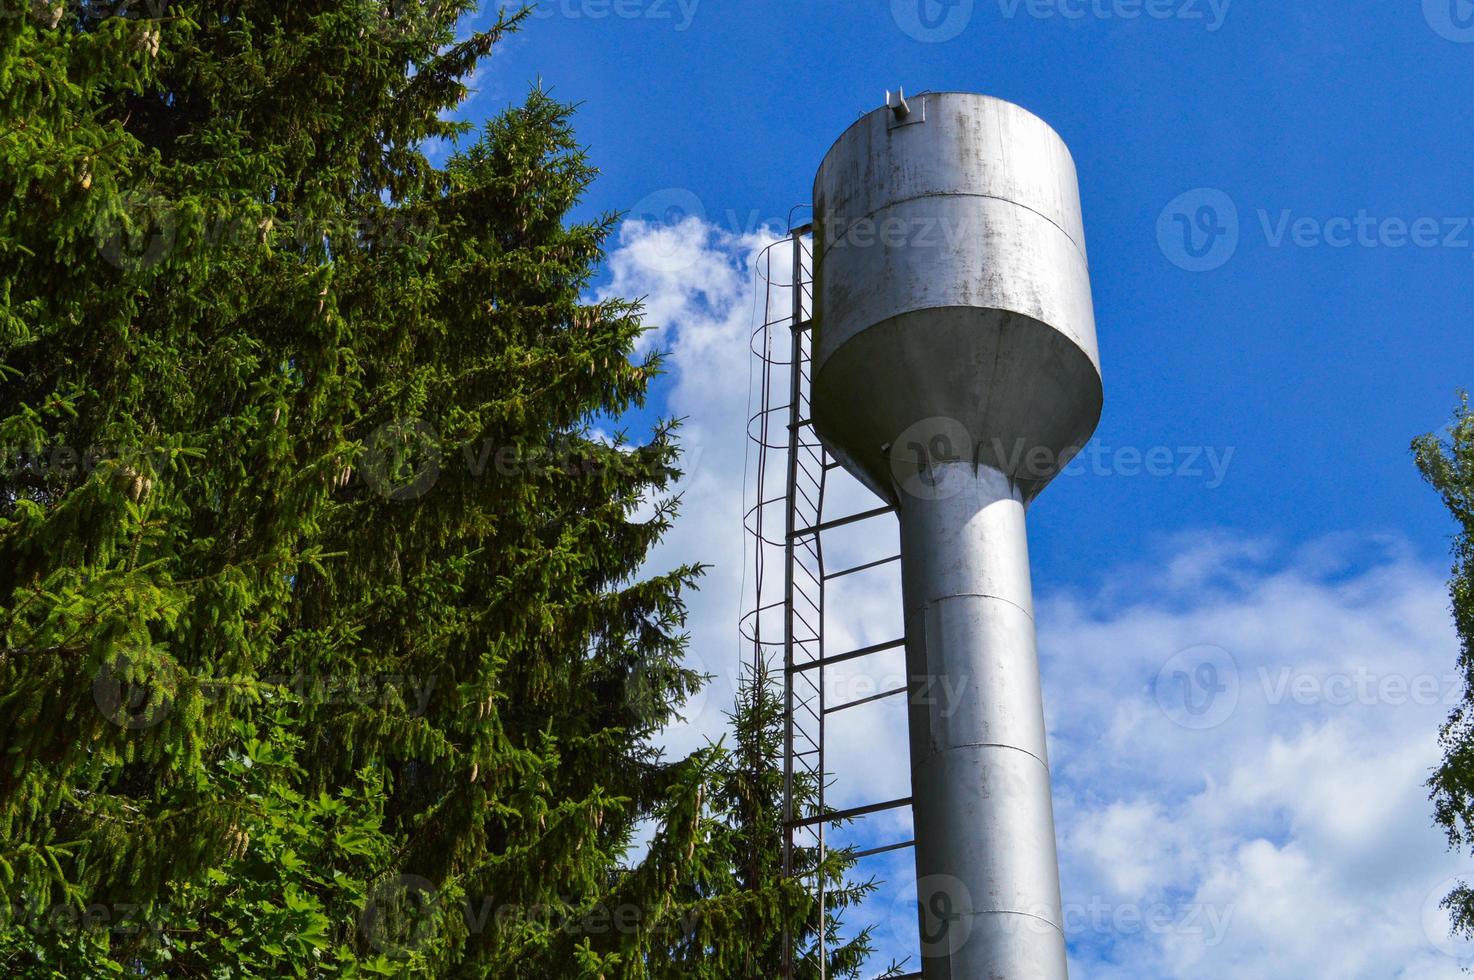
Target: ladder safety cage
x=786 y=617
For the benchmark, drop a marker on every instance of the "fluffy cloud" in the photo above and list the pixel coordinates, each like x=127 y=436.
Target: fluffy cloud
x=1240 y=731
x=697 y=286
x=1284 y=830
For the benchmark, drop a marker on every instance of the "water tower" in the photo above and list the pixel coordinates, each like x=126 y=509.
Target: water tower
x=955 y=373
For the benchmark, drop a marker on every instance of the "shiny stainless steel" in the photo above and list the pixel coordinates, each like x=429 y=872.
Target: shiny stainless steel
x=956 y=373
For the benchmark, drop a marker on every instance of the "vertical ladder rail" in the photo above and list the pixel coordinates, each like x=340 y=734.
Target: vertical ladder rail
x=788 y=614
x=798 y=413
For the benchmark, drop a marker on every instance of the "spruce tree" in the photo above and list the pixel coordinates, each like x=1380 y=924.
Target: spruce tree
x=777 y=915
x=325 y=644
x=1448 y=465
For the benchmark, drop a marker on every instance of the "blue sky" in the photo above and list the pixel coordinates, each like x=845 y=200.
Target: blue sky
x=1281 y=231
x=1316 y=364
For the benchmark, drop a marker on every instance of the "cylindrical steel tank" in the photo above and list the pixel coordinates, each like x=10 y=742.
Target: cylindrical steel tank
x=956 y=373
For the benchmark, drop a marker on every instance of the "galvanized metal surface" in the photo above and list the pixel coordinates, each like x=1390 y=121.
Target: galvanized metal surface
x=956 y=374
x=952 y=282
x=985 y=848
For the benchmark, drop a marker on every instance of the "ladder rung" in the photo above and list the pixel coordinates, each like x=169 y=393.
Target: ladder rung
x=874 y=697
x=881 y=850
x=862 y=568
x=838 y=816
x=840 y=658
x=842 y=521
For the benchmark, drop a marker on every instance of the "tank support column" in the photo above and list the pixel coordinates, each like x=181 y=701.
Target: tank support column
x=986 y=867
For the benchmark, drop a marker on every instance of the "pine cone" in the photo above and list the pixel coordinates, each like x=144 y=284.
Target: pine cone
x=47 y=13
x=149 y=41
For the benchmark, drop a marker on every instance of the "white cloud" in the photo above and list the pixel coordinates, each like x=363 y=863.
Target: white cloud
x=1303 y=817
x=696 y=283
x=1291 y=837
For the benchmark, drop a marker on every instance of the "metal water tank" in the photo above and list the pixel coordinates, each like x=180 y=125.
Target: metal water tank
x=956 y=373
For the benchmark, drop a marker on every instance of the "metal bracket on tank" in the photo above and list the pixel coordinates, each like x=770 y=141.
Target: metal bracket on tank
x=901 y=112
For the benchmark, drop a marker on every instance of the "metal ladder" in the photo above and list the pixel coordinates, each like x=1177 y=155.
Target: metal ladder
x=792 y=473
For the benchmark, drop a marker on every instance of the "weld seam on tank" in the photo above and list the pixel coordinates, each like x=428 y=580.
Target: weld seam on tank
x=830 y=245
x=991 y=745
x=980 y=913
x=971 y=595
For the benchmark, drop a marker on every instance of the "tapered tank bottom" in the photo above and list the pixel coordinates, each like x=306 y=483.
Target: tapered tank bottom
x=986 y=863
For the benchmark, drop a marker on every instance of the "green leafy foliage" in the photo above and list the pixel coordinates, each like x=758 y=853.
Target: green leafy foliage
x=1449 y=466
